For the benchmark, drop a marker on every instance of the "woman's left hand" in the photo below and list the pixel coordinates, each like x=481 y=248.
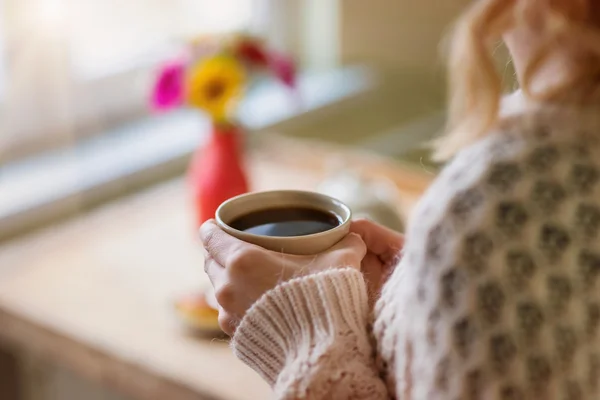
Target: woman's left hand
x=242 y=272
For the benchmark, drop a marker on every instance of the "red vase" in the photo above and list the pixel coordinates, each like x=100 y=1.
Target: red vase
x=217 y=172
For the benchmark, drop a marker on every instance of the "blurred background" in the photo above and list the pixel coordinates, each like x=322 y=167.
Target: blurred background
x=75 y=77
x=75 y=126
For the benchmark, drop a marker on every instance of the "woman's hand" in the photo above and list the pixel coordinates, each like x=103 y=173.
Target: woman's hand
x=383 y=253
x=241 y=272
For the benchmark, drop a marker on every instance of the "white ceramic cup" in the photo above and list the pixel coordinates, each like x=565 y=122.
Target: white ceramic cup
x=316 y=243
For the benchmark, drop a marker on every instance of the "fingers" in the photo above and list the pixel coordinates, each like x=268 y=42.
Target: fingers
x=372 y=271
x=228 y=322
x=349 y=252
x=383 y=242
x=217 y=242
x=225 y=294
x=231 y=266
x=352 y=242
x=216 y=273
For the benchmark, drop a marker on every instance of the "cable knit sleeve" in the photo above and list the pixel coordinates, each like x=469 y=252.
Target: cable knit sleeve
x=308 y=338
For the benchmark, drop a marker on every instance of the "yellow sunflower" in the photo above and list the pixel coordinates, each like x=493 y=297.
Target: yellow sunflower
x=215 y=85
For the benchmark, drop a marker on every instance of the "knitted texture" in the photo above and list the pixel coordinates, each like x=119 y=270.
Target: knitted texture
x=304 y=340
x=496 y=296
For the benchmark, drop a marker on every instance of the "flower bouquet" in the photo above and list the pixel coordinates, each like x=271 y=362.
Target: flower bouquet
x=212 y=75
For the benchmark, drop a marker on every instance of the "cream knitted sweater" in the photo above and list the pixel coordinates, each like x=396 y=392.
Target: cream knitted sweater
x=496 y=295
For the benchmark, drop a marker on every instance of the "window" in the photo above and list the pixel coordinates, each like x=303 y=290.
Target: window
x=75 y=68
x=2 y=55
x=140 y=29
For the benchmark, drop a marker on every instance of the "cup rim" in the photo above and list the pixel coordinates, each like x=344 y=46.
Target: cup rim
x=340 y=203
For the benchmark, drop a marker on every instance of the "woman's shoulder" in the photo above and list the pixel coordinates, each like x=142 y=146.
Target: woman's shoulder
x=532 y=159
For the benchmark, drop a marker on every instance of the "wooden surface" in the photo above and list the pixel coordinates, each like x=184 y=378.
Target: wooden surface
x=96 y=293
x=9 y=379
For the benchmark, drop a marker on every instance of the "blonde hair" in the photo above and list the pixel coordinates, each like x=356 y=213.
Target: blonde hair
x=475 y=85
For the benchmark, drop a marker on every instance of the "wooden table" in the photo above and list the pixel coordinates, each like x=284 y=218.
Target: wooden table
x=96 y=293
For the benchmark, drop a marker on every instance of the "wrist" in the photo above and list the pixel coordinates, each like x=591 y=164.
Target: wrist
x=301 y=314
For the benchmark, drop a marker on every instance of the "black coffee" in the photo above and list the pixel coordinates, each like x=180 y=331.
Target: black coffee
x=288 y=221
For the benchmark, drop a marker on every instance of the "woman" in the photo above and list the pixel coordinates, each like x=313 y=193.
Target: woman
x=496 y=294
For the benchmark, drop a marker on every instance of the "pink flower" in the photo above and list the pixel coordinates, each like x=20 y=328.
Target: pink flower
x=284 y=68
x=169 y=89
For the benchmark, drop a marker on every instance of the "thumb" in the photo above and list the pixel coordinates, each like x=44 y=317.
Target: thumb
x=383 y=242
x=352 y=243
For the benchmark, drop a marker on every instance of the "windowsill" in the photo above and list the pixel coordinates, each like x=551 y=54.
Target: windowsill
x=40 y=190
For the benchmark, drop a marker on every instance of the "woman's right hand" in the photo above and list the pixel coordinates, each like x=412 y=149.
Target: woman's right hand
x=384 y=248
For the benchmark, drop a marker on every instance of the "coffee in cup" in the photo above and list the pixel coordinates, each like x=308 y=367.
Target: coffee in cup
x=289 y=221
